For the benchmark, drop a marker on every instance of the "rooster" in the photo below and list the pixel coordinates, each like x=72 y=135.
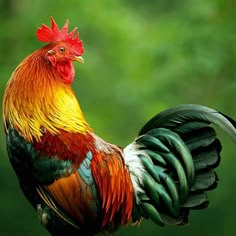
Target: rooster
x=80 y=184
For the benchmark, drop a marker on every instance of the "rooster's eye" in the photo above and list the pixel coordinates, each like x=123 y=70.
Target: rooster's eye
x=62 y=49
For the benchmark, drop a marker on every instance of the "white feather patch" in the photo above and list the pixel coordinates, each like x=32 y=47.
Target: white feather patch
x=135 y=167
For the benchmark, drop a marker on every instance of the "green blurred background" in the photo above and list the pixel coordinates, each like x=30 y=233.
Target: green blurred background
x=140 y=57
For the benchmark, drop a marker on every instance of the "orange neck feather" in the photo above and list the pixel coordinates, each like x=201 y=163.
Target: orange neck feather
x=36 y=99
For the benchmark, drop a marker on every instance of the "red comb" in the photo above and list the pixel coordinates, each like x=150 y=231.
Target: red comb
x=47 y=34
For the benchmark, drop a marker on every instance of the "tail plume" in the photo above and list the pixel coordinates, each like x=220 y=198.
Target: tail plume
x=177 y=151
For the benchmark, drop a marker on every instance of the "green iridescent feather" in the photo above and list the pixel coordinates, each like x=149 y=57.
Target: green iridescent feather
x=180 y=153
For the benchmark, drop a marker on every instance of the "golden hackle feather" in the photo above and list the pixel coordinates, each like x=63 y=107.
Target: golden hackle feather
x=47 y=103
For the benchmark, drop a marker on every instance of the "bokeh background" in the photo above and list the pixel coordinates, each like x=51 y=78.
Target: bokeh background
x=140 y=57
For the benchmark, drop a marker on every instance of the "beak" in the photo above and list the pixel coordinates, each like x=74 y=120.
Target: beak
x=78 y=58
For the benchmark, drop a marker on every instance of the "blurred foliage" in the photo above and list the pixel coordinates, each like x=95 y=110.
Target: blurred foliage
x=140 y=57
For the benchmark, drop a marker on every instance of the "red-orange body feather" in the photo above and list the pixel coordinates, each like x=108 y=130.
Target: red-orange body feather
x=66 y=145
x=109 y=173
